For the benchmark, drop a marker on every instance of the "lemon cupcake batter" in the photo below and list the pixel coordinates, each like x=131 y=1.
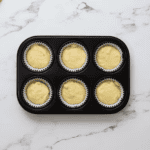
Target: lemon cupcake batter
x=73 y=92
x=38 y=56
x=37 y=92
x=108 y=57
x=108 y=92
x=73 y=56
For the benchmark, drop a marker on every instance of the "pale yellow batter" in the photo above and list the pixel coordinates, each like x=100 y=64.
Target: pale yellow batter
x=108 y=57
x=37 y=93
x=73 y=92
x=73 y=56
x=108 y=92
x=38 y=56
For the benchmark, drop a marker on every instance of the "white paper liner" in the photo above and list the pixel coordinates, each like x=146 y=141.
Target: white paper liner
x=119 y=100
x=121 y=53
x=37 y=105
x=37 y=69
x=73 y=105
x=77 y=69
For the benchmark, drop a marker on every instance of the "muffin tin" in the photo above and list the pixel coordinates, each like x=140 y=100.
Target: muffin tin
x=55 y=74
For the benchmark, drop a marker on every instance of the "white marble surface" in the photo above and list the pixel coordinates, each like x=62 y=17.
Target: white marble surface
x=128 y=20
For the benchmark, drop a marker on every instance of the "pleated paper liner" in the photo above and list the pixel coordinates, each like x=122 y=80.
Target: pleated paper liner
x=26 y=97
x=115 y=46
x=37 y=69
x=73 y=105
x=119 y=100
x=76 y=69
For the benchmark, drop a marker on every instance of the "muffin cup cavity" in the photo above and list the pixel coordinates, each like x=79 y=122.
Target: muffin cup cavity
x=113 y=45
x=67 y=68
x=37 y=69
x=119 y=100
x=25 y=93
x=73 y=105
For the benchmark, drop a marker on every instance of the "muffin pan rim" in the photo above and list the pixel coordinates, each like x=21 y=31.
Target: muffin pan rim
x=77 y=40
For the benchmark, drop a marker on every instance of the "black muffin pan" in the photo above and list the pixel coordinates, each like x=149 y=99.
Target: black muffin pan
x=90 y=75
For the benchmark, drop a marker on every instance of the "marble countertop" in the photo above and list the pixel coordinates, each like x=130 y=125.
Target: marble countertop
x=128 y=20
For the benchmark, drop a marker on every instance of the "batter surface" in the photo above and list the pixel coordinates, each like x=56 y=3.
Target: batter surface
x=73 y=92
x=37 y=93
x=38 y=56
x=73 y=56
x=108 y=57
x=108 y=92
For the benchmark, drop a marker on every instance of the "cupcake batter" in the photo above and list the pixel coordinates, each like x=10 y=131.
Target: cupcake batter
x=108 y=92
x=73 y=56
x=73 y=92
x=108 y=57
x=37 y=93
x=38 y=56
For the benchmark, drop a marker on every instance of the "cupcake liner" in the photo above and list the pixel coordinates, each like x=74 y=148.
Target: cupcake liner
x=37 y=69
x=73 y=105
x=121 y=53
x=37 y=105
x=119 y=100
x=77 y=69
